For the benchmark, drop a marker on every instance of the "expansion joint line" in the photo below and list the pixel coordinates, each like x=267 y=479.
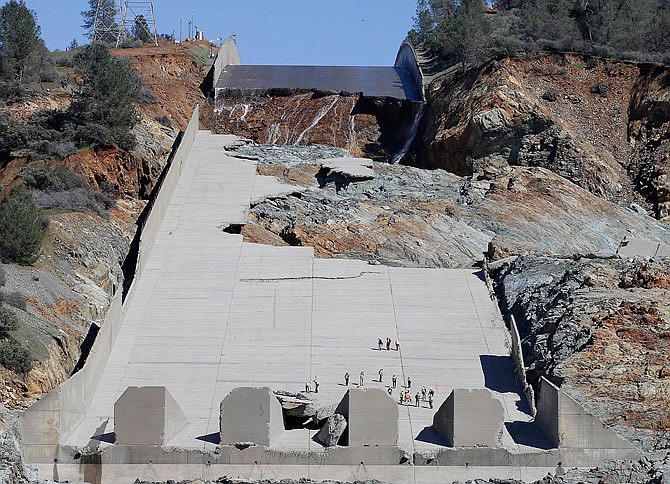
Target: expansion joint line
x=402 y=367
x=311 y=350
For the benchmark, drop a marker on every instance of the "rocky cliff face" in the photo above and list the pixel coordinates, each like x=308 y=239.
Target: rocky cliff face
x=600 y=327
x=588 y=121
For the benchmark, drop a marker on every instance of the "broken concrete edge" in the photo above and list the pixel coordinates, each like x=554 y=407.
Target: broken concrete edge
x=568 y=425
x=51 y=420
x=356 y=169
x=517 y=356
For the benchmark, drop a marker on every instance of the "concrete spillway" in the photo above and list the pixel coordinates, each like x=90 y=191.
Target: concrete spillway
x=393 y=82
x=209 y=313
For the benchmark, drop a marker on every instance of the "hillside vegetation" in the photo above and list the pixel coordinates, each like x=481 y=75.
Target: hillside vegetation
x=462 y=31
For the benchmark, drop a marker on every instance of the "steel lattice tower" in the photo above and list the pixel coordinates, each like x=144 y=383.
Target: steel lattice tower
x=130 y=11
x=105 y=23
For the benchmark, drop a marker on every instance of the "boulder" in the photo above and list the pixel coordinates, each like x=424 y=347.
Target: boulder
x=332 y=430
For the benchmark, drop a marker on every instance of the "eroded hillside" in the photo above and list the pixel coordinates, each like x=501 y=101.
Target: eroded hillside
x=62 y=296
x=602 y=125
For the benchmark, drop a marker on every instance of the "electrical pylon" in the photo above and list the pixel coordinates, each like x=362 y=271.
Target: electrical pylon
x=105 y=23
x=131 y=11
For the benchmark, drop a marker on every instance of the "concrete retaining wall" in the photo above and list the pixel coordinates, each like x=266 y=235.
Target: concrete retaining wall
x=406 y=58
x=54 y=417
x=571 y=428
x=519 y=367
x=228 y=55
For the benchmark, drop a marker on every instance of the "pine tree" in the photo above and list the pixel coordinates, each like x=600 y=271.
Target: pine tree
x=104 y=108
x=20 y=43
x=141 y=29
x=22 y=227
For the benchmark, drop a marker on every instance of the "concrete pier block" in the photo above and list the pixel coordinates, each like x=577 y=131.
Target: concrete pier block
x=372 y=417
x=147 y=416
x=251 y=415
x=568 y=425
x=469 y=418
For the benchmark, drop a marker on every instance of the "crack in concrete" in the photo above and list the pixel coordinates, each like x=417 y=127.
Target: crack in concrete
x=308 y=278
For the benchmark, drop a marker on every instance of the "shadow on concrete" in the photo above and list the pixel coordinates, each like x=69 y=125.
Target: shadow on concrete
x=528 y=434
x=213 y=438
x=109 y=437
x=480 y=275
x=499 y=374
x=431 y=436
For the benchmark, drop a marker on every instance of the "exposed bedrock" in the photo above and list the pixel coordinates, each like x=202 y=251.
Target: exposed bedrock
x=602 y=126
x=430 y=218
x=372 y=127
x=600 y=328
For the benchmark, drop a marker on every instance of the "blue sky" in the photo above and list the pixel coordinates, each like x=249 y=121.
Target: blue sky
x=310 y=32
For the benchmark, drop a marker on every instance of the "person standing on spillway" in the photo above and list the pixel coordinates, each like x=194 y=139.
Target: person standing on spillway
x=316 y=385
x=360 y=381
x=416 y=399
x=409 y=382
x=346 y=379
x=397 y=344
x=307 y=387
x=388 y=343
x=394 y=380
x=381 y=375
x=379 y=343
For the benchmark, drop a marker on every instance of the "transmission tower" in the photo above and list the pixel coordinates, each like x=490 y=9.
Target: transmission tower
x=137 y=14
x=105 y=22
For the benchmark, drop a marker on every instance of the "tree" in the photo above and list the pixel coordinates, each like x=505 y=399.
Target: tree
x=74 y=45
x=22 y=227
x=141 y=29
x=103 y=110
x=20 y=43
x=100 y=21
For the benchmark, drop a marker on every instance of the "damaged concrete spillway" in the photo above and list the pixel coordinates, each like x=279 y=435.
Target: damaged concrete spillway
x=197 y=372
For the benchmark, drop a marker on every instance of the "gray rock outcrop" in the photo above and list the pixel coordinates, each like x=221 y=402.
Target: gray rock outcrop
x=332 y=430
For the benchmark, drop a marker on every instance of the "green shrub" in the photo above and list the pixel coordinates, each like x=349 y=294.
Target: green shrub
x=550 y=95
x=8 y=321
x=46 y=179
x=602 y=88
x=22 y=227
x=14 y=356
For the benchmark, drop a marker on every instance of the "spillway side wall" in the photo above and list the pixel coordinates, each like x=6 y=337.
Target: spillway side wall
x=53 y=418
